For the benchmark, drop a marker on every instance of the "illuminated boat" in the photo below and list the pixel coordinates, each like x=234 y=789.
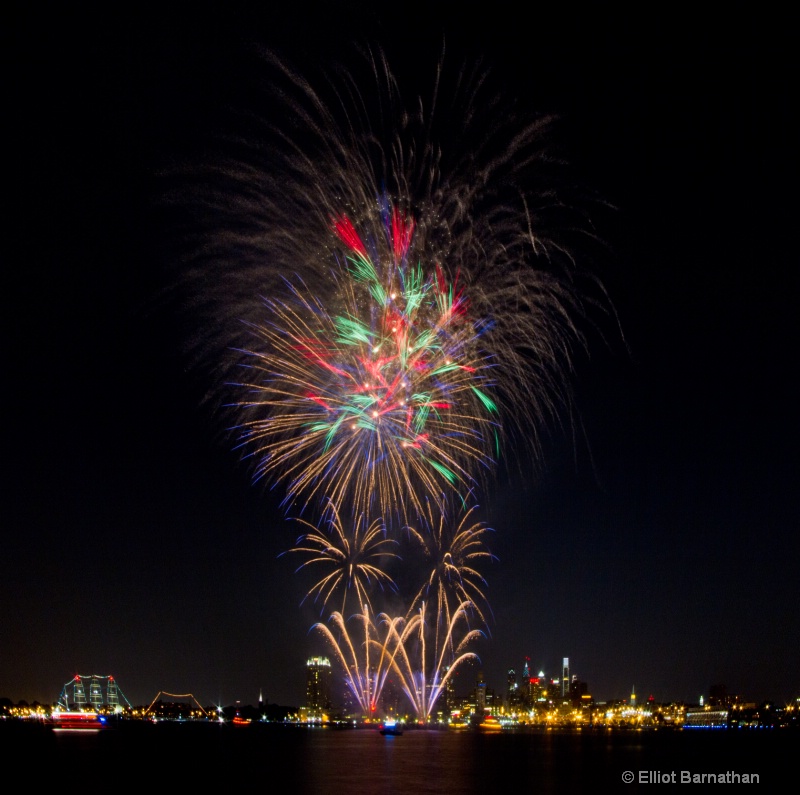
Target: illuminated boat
x=490 y=724
x=87 y=722
x=459 y=721
x=391 y=729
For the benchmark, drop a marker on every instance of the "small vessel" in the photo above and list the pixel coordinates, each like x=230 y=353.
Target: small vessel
x=391 y=729
x=490 y=724
x=86 y=722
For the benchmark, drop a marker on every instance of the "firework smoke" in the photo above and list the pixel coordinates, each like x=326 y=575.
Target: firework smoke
x=482 y=201
x=394 y=297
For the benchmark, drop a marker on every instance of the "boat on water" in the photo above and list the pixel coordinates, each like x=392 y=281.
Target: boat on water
x=490 y=724
x=86 y=722
x=391 y=729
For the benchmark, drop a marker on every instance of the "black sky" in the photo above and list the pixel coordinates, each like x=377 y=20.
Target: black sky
x=657 y=548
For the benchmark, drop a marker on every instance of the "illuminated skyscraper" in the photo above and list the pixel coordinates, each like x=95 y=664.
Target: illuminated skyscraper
x=318 y=684
x=565 y=678
x=538 y=689
x=514 y=695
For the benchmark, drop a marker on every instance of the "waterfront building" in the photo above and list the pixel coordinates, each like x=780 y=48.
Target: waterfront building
x=705 y=718
x=318 y=686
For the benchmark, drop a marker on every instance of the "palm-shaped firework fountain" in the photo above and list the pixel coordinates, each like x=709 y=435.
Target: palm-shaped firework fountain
x=417 y=310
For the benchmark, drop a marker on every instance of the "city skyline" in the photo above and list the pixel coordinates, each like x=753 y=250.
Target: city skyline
x=655 y=540
x=310 y=687
x=322 y=686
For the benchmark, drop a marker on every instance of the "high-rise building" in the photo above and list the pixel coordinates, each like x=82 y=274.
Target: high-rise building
x=514 y=694
x=538 y=689
x=450 y=694
x=565 y=678
x=318 y=684
x=480 y=693
x=578 y=692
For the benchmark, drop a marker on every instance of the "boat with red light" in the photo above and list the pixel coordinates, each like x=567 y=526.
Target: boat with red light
x=86 y=722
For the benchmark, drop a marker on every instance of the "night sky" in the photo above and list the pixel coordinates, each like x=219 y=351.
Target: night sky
x=656 y=542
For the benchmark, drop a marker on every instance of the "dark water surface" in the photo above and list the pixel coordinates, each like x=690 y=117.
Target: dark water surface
x=265 y=757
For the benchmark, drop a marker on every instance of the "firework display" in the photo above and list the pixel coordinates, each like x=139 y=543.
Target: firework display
x=351 y=559
x=371 y=651
x=406 y=304
x=383 y=404
x=454 y=549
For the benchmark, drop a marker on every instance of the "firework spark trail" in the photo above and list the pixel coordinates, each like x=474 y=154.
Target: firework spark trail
x=356 y=667
x=353 y=559
x=398 y=645
x=424 y=675
x=453 y=551
x=366 y=664
x=381 y=405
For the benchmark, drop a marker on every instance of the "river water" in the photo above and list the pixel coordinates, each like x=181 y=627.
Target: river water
x=277 y=758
